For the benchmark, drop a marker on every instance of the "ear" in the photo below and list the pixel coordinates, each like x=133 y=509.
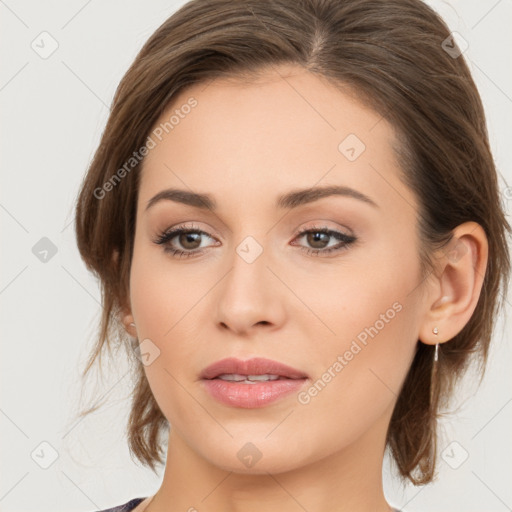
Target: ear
x=126 y=316
x=456 y=284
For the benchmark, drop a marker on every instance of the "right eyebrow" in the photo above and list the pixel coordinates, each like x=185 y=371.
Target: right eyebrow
x=203 y=201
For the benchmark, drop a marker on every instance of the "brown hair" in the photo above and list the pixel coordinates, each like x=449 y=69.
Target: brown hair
x=390 y=52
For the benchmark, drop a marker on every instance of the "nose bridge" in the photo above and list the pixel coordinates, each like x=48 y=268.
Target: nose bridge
x=248 y=295
x=247 y=277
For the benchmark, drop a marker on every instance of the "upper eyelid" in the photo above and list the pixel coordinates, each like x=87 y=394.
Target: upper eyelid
x=175 y=231
x=344 y=241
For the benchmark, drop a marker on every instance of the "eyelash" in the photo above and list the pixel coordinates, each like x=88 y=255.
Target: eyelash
x=165 y=237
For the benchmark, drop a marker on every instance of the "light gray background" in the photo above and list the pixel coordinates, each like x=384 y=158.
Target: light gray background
x=54 y=111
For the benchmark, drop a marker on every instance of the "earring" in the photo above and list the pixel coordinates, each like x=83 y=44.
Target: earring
x=435 y=330
x=132 y=324
x=433 y=375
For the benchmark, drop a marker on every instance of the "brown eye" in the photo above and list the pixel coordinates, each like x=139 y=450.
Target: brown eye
x=190 y=241
x=182 y=242
x=318 y=240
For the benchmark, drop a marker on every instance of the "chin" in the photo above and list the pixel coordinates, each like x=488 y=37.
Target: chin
x=258 y=457
x=275 y=465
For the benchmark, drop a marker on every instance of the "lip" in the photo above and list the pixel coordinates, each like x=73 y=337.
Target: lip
x=258 y=394
x=253 y=366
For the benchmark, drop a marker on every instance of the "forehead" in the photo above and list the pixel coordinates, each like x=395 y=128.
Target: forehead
x=286 y=127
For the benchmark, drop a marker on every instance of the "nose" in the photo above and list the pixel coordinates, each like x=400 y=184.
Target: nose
x=250 y=296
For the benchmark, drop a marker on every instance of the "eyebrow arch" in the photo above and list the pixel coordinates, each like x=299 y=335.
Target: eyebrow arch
x=289 y=200
x=299 y=197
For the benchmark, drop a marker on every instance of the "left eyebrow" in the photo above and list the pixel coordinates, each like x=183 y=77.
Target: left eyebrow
x=304 y=196
x=289 y=200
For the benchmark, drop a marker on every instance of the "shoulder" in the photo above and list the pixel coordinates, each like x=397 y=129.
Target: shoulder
x=125 y=507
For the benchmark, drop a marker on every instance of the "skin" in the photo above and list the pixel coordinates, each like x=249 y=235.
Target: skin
x=246 y=144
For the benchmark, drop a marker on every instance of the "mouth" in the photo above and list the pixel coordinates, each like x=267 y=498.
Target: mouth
x=250 y=379
x=252 y=370
x=251 y=384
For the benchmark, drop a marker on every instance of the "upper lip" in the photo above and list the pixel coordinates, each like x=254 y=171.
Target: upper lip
x=254 y=366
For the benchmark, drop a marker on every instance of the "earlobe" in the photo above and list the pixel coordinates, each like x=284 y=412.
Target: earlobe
x=129 y=324
x=458 y=282
x=126 y=313
x=126 y=316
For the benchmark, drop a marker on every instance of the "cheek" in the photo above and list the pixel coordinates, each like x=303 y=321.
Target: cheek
x=359 y=372
x=370 y=297
x=165 y=304
x=373 y=318
x=160 y=293
x=160 y=301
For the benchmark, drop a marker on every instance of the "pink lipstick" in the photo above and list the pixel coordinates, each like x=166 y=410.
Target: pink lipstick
x=252 y=383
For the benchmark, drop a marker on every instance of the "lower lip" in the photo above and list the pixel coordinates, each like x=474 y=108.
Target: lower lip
x=251 y=396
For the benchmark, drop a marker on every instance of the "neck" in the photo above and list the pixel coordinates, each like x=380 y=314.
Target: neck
x=347 y=480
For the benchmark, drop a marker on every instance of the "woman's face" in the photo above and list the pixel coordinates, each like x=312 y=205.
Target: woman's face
x=343 y=307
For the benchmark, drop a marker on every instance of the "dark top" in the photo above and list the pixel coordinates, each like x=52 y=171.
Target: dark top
x=126 y=507
x=130 y=505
